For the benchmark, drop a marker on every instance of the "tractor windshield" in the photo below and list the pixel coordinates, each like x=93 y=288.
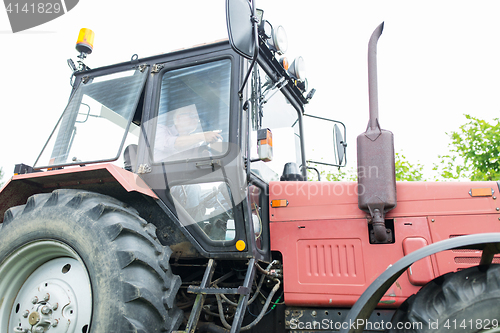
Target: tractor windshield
x=97 y=121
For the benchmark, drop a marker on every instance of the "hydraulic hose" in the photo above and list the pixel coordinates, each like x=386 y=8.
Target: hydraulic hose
x=259 y=317
x=265 y=272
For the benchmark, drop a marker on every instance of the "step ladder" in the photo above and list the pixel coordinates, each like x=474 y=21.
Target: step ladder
x=204 y=289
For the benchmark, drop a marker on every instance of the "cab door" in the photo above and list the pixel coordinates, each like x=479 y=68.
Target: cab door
x=191 y=154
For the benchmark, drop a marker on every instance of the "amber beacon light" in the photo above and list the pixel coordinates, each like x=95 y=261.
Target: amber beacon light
x=85 y=42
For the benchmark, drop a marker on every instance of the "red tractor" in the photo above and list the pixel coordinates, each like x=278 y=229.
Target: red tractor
x=172 y=196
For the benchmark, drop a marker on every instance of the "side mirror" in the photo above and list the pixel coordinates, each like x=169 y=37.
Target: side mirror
x=339 y=144
x=240 y=27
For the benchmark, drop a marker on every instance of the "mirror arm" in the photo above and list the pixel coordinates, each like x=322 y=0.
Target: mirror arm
x=248 y=148
x=312 y=168
x=256 y=53
x=240 y=92
x=343 y=143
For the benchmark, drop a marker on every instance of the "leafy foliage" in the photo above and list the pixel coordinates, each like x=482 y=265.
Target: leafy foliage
x=333 y=175
x=405 y=171
x=474 y=152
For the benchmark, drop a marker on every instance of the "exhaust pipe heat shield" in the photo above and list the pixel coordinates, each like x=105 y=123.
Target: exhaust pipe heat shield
x=376 y=159
x=376 y=179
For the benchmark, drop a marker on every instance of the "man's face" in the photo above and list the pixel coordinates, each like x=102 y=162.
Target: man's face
x=186 y=122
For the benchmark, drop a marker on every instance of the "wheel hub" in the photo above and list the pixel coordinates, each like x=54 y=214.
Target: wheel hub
x=34 y=318
x=55 y=297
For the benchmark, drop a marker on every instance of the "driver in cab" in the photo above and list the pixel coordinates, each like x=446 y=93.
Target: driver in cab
x=185 y=133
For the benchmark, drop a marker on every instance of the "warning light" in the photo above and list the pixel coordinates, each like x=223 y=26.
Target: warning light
x=279 y=203
x=240 y=245
x=265 y=144
x=85 y=42
x=481 y=192
x=284 y=62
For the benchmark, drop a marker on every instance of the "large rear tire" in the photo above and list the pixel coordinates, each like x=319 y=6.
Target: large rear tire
x=466 y=301
x=76 y=261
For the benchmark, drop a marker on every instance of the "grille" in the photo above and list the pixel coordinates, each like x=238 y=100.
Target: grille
x=330 y=261
x=473 y=260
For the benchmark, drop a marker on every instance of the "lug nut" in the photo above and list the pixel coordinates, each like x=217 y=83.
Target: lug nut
x=39 y=329
x=45 y=309
x=34 y=300
x=46 y=297
x=55 y=322
x=26 y=314
x=55 y=306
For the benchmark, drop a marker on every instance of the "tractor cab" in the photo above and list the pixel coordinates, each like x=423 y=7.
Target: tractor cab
x=205 y=128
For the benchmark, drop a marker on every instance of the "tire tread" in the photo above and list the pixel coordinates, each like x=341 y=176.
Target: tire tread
x=448 y=295
x=146 y=281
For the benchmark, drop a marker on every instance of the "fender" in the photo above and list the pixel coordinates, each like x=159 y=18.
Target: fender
x=108 y=179
x=362 y=309
x=104 y=178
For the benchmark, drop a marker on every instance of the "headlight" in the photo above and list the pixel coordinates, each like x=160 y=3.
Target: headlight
x=297 y=69
x=279 y=41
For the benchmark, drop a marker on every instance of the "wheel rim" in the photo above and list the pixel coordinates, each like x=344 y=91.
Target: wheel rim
x=45 y=288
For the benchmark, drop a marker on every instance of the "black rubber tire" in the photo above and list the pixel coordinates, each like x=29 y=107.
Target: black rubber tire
x=465 y=301
x=133 y=288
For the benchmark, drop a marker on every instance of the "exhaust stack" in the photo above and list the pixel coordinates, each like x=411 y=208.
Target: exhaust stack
x=376 y=161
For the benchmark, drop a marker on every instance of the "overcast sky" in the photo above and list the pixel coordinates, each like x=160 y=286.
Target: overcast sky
x=437 y=61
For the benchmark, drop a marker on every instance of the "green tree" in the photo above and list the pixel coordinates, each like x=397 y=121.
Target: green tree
x=406 y=171
x=474 y=152
x=332 y=175
x=341 y=175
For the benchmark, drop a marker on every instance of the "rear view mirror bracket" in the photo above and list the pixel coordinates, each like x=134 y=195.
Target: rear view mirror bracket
x=243 y=32
x=340 y=145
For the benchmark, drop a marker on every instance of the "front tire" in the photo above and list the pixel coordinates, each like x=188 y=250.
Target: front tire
x=466 y=301
x=77 y=261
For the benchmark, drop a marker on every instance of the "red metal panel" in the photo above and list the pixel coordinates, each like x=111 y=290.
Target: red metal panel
x=20 y=187
x=315 y=200
x=331 y=262
x=444 y=227
x=55 y=178
x=442 y=198
x=322 y=232
x=420 y=272
x=338 y=200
